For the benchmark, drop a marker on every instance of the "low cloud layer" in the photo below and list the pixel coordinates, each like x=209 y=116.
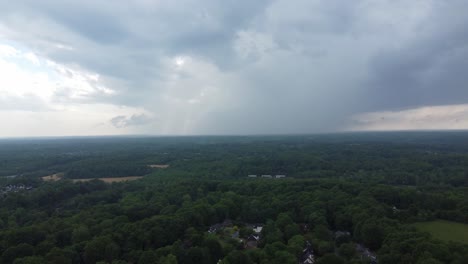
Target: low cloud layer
x=232 y=67
x=134 y=120
x=423 y=118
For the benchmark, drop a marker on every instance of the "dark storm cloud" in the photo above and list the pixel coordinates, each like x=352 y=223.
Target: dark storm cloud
x=430 y=70
x=255 y=66
x=92 y=24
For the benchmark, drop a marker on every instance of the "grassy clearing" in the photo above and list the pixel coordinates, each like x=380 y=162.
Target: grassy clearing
x=59 y=176
x=111 y=180
x=445 y=230
x=159 y=166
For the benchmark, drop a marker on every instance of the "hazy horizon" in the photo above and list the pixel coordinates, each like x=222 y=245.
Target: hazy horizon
x=336 y=133
x=268 y=67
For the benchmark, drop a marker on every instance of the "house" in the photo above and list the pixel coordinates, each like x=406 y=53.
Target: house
x=307 y=256
x=15 y=188
x=280 y=176
x=267 y=176
x=252 y=176
x=339 y=234
x=252 y=241
x=257 y=229
x=366 y=253
x=217 y=227
x=253 y=237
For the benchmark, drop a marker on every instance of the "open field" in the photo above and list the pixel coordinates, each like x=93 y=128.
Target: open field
x=111 y=180
x=445 y=230
x=59 y=176
x=158 y=166
x=53 y=177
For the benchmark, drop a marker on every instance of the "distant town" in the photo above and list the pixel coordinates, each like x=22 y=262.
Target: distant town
x=14 y=188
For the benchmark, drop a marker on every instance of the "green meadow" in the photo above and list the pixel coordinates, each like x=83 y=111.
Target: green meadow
x=445 y=230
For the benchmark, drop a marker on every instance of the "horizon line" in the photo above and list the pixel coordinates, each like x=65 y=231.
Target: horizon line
x=234 y=135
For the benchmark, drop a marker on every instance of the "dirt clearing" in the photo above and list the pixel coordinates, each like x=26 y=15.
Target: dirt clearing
x=53 y=177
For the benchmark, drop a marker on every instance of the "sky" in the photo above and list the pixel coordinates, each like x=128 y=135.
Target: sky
x=212 y=67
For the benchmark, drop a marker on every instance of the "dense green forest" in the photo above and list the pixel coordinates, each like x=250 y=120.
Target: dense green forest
x=392 y=158
x=346 y=198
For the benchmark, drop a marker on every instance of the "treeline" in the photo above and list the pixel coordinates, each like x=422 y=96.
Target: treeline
x=395 y=158
x=99 y=169
x=161 y=220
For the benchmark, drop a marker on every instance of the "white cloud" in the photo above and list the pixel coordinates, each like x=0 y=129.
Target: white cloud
x=422 y=118
x=7 y=51
x=18 y=80
x=72 y=121
x=41 y=97
x=24 y=73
